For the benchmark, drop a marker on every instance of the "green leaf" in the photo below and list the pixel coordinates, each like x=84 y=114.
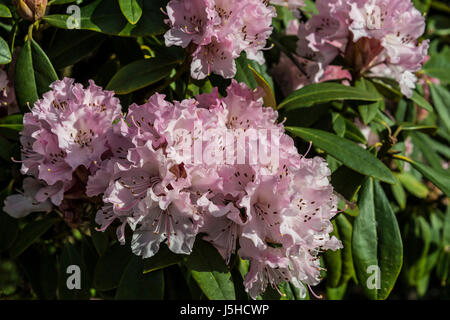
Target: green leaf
x=446 y=229
x=413 y=185
x=346 y=182
x=392 y=86
x=71 y=257
x=269 y=97
x=345 y=235
x=333 y=261
x=418 y=237
x=376 y=242
x=428 y=129
x=83 y=43
x=132 y=9
x=5 y=12
x=353 y=133
x=441 y=99
x=337 y=293
x=144 y=73
x=31 y=233
x=105 y=16
x=399 y=194
x=135 y=285
x=440 y=178
x=110 y=267
x=34 y=73
x=439 y=65
x=325 y=92
x=5 y=54
x=349 y=153
x=210 y=272
x=369 y=111
x=164 y=258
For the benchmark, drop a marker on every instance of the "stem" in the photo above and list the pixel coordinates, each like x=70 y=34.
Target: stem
x=396 y=156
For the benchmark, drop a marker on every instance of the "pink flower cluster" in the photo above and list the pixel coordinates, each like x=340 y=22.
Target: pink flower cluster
x=66 y=137
x=378 y=38
x=76 y=143
x=289 y=76
x=217 y=31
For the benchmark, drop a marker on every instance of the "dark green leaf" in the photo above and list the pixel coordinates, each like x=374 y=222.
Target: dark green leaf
x=376 y=242
x=144 y=73
x=325 y=92
x=34 y=73
x=72 y=257
x=83 y=43
x=333 y=262
x=5 y=54
x=440 y=178
x=413 y=185
x=132 y=9
x=135 y=285
x=164 y=258
x=110 y=267
x=345 y=229
x=441 y=99
x=210 y=272
x=349 y=153
x=105 y=16
x=31 y=233
x=368 y=111
x=5 y=12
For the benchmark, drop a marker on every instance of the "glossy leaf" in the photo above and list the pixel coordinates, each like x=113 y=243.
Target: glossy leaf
x=105 y=16
x=413 y=185
x=5 y=54
x=132 y=9
x=4 y=11
x=376 y=242
x=441 y=99
x=145 y=72
x=325 y=92
x=210 y=272
x=31 y=233
x=110 y=267
x=135 y=285
x=349 y=153
x=164 y=258
x=34 y=73
x=71 y=257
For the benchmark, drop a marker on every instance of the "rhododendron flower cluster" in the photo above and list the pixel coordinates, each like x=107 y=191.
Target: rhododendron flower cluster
x=217 y=31
x=376 y=37
x=66 y=137
x=175 y=171
x=291 y=78
x=279 y=214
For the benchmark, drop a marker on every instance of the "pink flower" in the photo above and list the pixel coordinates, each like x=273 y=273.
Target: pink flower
x=67 y=137
x=21 y=205
x=376 y=37
x=217 y=31
x=185 y=172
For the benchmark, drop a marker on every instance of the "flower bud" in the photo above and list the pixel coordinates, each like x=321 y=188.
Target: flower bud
x=31 y=10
